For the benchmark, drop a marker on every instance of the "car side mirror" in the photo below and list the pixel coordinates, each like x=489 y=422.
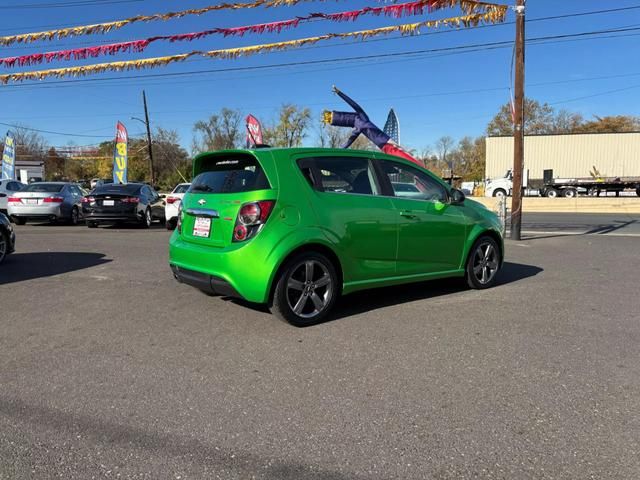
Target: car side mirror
x=457 y=196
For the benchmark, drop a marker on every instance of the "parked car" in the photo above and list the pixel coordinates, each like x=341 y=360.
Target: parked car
x=53 y=201
x=7 y=188
x=97 y=182
x=296 y=228
x=7 y=237
x=173 y=201
x=119 y=203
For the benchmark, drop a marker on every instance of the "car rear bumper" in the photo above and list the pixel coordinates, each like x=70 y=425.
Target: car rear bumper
x=246 y=269
x=34 y=211
x=205 y=282
x=111 y=217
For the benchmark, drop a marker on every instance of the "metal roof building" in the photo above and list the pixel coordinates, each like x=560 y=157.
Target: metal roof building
x=573 y=155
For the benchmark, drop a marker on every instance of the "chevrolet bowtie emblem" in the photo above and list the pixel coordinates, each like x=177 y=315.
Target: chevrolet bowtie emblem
x=202 y=201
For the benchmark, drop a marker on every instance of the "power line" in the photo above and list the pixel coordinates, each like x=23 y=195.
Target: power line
x=78 y=3
x=53 y=133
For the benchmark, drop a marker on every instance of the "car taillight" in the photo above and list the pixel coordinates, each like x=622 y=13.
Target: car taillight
x=172 y=200
x=251 y=217
x=88 y=199
x=130 y=200
x=53 y=200
x=13 y=200
x=179 y=222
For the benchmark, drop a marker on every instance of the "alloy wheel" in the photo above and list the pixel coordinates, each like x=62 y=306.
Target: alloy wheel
x=309 y=289
x=485 y=262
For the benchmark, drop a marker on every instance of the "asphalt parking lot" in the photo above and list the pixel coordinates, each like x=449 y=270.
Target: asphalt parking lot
x=110 y=369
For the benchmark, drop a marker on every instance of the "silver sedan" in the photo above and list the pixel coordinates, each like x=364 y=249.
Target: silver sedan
x=53 y=201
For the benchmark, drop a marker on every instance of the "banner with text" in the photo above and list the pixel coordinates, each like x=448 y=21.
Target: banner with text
x=254 y=132
x=9 y=158
x=120 y=155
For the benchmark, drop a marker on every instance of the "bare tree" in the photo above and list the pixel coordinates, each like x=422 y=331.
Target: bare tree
x=444 y=145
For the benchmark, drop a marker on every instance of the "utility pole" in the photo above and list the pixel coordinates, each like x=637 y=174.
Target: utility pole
x=518 y=135
x=146 y=117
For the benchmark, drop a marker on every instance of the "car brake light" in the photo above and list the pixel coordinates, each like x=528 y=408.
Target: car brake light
x=251 y=217
x=172 y=200
x=179 y=222
x=53 y=200
x=13 y=200
x=88 y=199
x=130 y=200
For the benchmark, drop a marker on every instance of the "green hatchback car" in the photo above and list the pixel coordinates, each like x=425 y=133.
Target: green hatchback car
x=296 y=228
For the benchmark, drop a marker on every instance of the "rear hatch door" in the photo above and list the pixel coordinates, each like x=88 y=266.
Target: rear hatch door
x=223 y=182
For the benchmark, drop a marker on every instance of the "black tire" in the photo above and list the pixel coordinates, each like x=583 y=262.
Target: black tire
x=552 y=193
x=638 y=191
x=74 y=219
x=318 y=287
x=92 y=224
x=4 y=245
x=570 y=193
x=18 y=220
x=499 y=192
x=147 y=220
x=171 y=224
x=483 y=265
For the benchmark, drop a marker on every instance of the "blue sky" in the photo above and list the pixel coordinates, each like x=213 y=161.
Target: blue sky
x=434 y=94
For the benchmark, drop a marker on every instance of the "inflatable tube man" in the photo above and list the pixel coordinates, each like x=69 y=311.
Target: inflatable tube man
x=359 y=121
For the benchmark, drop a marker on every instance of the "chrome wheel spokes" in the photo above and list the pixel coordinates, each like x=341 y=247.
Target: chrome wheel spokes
x=309 y=288
x=485 y=263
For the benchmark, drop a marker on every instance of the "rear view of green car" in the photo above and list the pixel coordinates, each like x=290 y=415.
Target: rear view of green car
x=297 y=228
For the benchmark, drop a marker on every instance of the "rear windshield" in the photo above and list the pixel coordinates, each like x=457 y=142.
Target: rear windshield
x=182 y=188
x=43 y=187
x=231 y=176
x=130 y=189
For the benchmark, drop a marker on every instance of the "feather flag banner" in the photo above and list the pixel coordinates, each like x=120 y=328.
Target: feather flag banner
x=395 y=10
x=411 y=8
x=232 y=53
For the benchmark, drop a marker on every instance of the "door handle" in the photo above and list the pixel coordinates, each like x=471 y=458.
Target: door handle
x=408 y=214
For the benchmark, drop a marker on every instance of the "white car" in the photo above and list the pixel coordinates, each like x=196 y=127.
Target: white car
x=172 y=205
x=7 y=188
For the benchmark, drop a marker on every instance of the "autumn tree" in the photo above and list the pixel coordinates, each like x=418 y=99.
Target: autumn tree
x=613 y=124
x=170 y=161
x=54 y=165
x=220 y=131
x=291 y=127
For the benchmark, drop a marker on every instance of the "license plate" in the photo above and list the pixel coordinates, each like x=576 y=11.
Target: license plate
x=108 y=203
x=202 y=227
x=32 y=201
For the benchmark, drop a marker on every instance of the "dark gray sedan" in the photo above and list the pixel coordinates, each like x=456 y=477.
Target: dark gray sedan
x=53 y=201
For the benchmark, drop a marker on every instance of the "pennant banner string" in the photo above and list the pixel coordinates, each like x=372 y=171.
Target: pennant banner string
x=468 y=6
x=231 y=53
x=396 y=10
